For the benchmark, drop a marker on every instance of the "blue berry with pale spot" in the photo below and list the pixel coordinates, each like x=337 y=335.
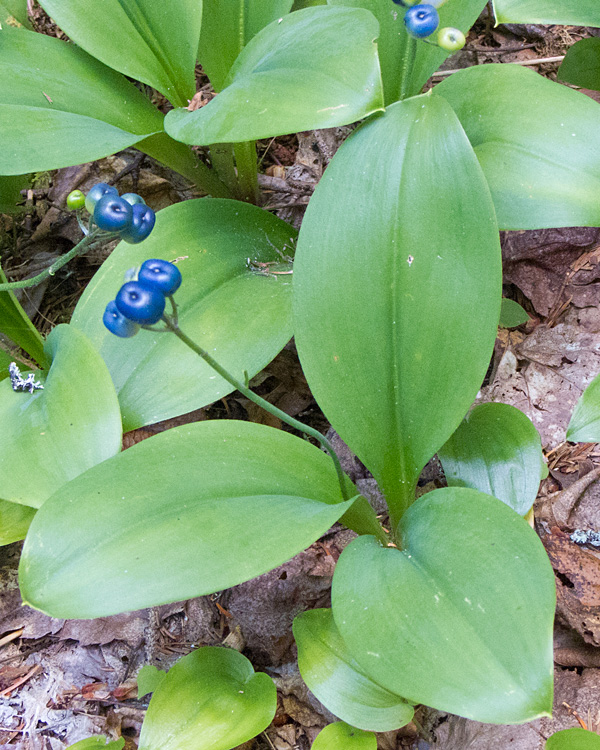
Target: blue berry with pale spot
x=421 y=20
x=112 y=214
x=141 y=224
x=160 y=275
x=117 y=323
x=142 y=304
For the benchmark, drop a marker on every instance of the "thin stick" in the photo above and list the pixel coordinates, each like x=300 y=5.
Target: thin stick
x=538 y=61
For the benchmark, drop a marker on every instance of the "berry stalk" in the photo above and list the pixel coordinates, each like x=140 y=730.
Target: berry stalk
x=87 y=243
x=172 y=326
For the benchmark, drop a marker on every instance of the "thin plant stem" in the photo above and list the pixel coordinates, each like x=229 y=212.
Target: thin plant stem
x=88 y=242
x=408 y=64
x=242 y=388
x=246 y=162
x=221 y=157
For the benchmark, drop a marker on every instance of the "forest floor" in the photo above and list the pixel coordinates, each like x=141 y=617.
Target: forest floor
x=62 y=681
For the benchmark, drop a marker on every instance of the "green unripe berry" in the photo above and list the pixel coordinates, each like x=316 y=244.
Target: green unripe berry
x=451 y=39
x=75 y=200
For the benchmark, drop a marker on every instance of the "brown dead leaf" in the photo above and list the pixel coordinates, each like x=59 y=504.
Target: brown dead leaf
x=577 y=585
x=543 y=264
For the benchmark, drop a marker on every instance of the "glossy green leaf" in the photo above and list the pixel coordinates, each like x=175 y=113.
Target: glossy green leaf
x=148 y=679
x=190 y=511
x=398 y=247
x=15 y=323
x=496 y=450
x=10 y=192
x=341 y=736
x=512 y=314
x=573 y=739
x=212 y=699
x=15 y=519
x=226 y=303
x=581 y=66
x=393 y=40
x=472 y=578
x=152 y=41
x=294 y=75
x=14 y=12
x=538 y=144
x=70 y=110
x=98 y=743
x=572 y=12
x=53 y=435
x=584 y=426
x=330 y=672
x=227 y=26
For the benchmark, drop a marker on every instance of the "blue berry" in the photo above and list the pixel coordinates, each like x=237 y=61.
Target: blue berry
x=118 y=323
x=142 y=223
x=421 y=20
x=140 y=303
x=133 y=198
x=97 y=192
x=161 y=275
x=113 y=214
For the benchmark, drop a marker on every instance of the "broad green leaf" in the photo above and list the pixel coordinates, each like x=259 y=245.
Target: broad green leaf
x=10 y=192
x=260 y=13
x=573 y=739
x=296 y=74
x=52 y=435
x=460 y=618
x=341 y=736
x=581 y=66
x=584 y=426
x=512 y=314
x=330 y=672
x=538 y=144
x=496 y=450
x=13 y=13
x=393 y=40
x=300 y=4
x=212 y=699
x=15 y=323
x=190 y=511
x=148 y=679
x=227 y=26
x=59 y=106
x=152 y=41
x=14 y=521
x=226 y=304
x=398 y=247
x=98 y=743
x=572 y=12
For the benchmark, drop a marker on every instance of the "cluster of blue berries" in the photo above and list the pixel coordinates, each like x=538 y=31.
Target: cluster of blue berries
x=422 y=20
x=126 y=215
x=142 y=302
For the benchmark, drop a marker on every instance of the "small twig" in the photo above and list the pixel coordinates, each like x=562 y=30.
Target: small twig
x=11 y=636
x=32 y=672
x=538 y=61
x=566 y=500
